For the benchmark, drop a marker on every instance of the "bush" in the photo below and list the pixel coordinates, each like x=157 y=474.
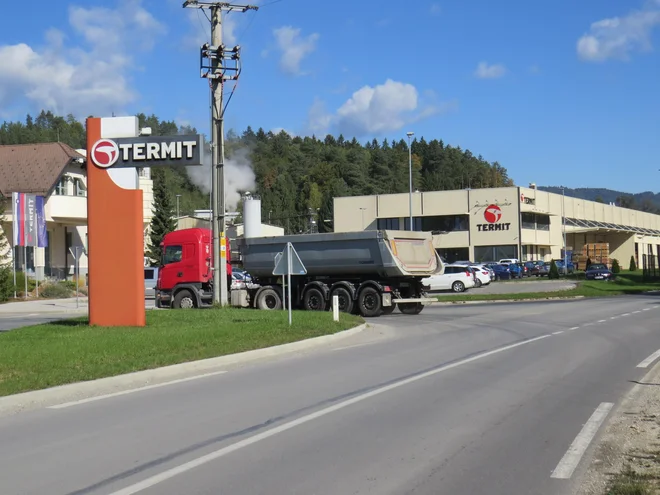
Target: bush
x=20 y=283
x=633 y=265
x=554 y=271
x=615 y=266
x=6 y=284
x=56 y=290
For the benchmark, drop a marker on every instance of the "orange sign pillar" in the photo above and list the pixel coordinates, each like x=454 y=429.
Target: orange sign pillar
x=115 y=231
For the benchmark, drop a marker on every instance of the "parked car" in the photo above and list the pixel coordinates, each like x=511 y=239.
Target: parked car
x=598 y=271
x=562 y=270
x=540 y=269
x=483 y=275
x=529 y=268
x=508 y=261
x=515 y=269
x=502 y=272
x=457 y=278
x=150 y=279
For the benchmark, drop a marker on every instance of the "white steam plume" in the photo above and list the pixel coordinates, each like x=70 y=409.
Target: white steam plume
x=239 y=176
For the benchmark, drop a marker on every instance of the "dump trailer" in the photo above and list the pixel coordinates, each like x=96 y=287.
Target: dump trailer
x=370 y=272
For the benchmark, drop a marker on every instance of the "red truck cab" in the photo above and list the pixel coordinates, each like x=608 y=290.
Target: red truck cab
x=185 y=278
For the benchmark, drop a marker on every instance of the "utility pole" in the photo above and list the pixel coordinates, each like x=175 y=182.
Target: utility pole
x=410 y=135
x=218 y=64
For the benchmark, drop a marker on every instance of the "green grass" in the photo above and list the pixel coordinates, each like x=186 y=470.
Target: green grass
x=629 y=482
x=69 y=351
x=625 y=283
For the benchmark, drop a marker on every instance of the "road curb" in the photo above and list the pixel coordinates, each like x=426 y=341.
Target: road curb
x=501 y=301
x=13 y=404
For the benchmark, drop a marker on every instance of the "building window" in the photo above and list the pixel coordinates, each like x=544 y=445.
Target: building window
x=417 y=224
x=528 y=221
x=388 y=224
x=80 y=188
x=495 y=253
x=446 y=223
x=61 y=187
x=144 y=172
x=535 y=221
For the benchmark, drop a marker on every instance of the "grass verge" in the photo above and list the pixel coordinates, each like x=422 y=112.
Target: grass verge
x=625 y=283
x=630 y=482
x=70 y=351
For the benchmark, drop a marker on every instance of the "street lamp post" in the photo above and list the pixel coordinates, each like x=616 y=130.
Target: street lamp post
x=177 y=209
x=362 y=214
x=410 y=192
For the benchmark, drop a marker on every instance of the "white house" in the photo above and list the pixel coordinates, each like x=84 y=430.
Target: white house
x=57 y=172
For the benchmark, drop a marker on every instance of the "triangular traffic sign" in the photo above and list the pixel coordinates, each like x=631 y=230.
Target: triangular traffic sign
x=282 y=264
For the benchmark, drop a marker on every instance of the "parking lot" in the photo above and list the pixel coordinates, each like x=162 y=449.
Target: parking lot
x=516 y=287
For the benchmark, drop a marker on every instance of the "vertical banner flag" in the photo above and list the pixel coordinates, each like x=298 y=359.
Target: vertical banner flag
x=42 y=233
x=29 y=220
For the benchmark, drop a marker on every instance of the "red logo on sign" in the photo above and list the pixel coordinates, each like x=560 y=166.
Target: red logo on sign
x=105 y=153
x=493 y=214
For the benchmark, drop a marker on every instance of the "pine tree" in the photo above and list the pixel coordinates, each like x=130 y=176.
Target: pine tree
x=163 y=221
x=616 y=268
x=633 y=265
x=554 y=271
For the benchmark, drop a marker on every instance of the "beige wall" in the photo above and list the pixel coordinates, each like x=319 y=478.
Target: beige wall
x=361 y=212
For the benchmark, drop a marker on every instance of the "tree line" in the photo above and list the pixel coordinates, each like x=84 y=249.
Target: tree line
x=296 y=177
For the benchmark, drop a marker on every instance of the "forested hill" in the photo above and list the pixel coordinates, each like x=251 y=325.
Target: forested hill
x=645 y=201
x=296 y=175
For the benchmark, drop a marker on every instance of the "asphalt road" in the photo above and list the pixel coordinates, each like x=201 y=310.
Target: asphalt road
x=516 y=287
x=458 y=400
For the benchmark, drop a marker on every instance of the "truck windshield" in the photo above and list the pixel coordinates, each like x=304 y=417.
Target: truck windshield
x=172 y=254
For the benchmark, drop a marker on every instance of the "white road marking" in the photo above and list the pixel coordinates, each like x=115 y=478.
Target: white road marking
x=170 y=473
x=625 y=314
x=613 y=317
x=574 y=328
x=646 y=309
x=558 y=333
x=649 y=359
x=601 y=321
x=351 y=346
x=572 y=457
x=635 y=312
x=126 y=392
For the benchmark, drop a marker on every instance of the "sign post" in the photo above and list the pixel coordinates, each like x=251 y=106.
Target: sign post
x=288 y=263
x=76 y=253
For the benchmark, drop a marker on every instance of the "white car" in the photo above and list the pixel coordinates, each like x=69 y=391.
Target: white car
x=483 y=275
x=457 y=278
x=509 y=261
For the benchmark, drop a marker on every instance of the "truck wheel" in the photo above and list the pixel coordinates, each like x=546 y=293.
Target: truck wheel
x=184 y=300
x=313 y=300
x=388 y=310
x=369 y=302
x=269 y=299
x=411 y=308
x=345 y=299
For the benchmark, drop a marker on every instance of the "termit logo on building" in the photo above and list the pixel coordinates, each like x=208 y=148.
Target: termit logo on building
x=148 y=151
x=493 y=215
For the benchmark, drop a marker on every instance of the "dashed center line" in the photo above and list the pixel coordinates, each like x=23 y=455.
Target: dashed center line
x=601 y=321
x=625 y=314
x=574 y=328
x=646 y=309
x=558 y=333
x=635 y=312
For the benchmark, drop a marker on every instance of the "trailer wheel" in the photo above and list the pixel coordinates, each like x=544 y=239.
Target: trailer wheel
x=269 y=299
x=313 y=300
x=345 y=300
x=369 y=302
x=388 y=310
x=411 y=308
x=184 y=300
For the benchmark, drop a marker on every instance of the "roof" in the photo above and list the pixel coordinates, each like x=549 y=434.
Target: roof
x=591 y=225
x=33 y=168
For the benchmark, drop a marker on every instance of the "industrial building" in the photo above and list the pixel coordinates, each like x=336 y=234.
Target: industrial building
x=510 y=222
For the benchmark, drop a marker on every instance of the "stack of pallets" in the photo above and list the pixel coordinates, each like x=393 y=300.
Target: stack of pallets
x=598 y=252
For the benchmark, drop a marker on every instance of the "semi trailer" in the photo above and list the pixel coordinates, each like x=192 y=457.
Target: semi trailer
x=370 y=272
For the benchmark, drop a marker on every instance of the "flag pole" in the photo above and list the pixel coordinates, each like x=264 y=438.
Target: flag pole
x=13 y=264
x=36 y=245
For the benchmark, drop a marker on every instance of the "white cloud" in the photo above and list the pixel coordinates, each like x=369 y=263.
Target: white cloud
x=435 y=9
x=617 y=37
x=89 y=79
x=294 y=48
x=485 y=71
x=375 y=110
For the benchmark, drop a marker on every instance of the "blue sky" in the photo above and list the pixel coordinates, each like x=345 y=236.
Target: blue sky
x=559 y=93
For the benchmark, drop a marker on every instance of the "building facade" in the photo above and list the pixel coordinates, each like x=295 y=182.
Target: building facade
x=57 y=172
x=512 y=222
